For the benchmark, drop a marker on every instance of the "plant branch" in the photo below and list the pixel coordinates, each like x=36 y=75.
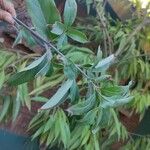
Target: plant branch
x=46 y=44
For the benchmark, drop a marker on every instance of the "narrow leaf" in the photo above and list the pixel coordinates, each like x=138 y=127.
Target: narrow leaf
x=39 y=99
x=114 y=102
x=30 y=72
x=82 y=107
x=74 y=92
x=5 y=107
x=18 y=39
x=38 y=132
x=70 y=12
x=16 y=107
x=70 y=71
x=104 y=64
x=50 y=11
x=2 y=78
x=40 y=12
x=77 y=35
x=37 y=16
x=58 y=28
x=89 y=117
x=58 y=96
x=62 y=41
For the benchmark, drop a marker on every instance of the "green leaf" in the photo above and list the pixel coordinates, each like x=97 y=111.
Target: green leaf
x=18 y=38
x=49 y=70
x=50 y=138
x=23 y=33
x=77 y=35
x=40 y=12
x=96 y=142
x=104 y=64
x=70 y=12
x=98 y=121
x=74 y=92
x=50 y=11
x=103 y=78
x=29 y=73
x=122 y=42
x=82 y=107
x=88 y=4
x=38 y=18
x=80 y=56
x=38 y=132
x=6 y=58
x=89 y=117
x=99 y=55
x=59 y=96
x=48 y=85
x=37 y=117
x=24 y=95
x=58 y=28
x=27 y=36
x=114 y=101
x=16 y=106
x=104 y=118
x=75 y=144
x=119 y=34
x=57 y=126
x=111 y=90
x=2 y=78
x=39 y=99
x=62 y=41
x=45 y=71
x=48 y=125
x=64 y=129
x=117 y=123
x=5 y=107
x=70 y=70
x=86 y=137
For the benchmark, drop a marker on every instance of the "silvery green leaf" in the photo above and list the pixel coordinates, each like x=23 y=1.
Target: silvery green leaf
x=77 y=35
x=89 y=117
x=70 y=12
x=18 y=39
x=38 y=19
x=83 y=106
x=62 y=41
x=39 y=99
x=2 y=78
x=105 y=63
x=74 y=92
x=59 y=96
x=16 y=106
x=33 y=70
x=70 y=70
x=58 y=28
x=50 y=11
x=42 y=14
x=6 y=104
x=99 y=54
x=114 y=102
